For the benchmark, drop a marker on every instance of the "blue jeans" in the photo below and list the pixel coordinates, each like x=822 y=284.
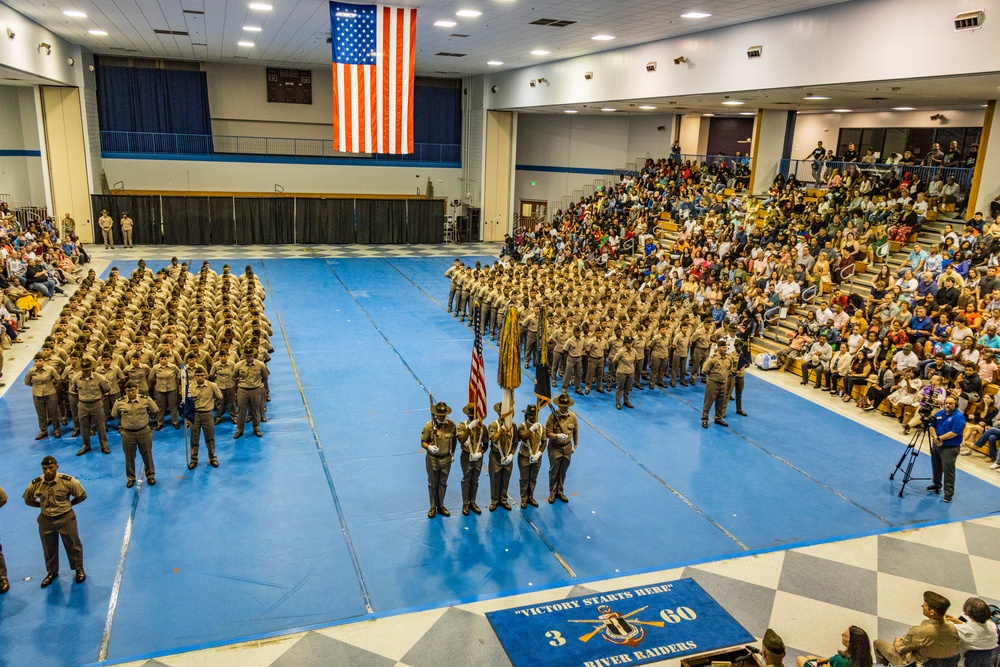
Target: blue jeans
x=990 y=436
x=47 y=288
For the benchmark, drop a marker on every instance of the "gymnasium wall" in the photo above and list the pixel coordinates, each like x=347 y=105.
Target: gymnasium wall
x=20 y=156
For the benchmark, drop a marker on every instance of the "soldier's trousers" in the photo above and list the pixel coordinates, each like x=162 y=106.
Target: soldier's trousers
x=228 y=402
x=203 y=422
x=658 y=369
x=559 y=461
x=3 y=564
x=248 y=400
x=165 y=400
x=438 y=468
x=471 y=470
x=141 y=440
x=697 y=359
x=530 y=343
x=50 y=529
x=640 y=364
x=623 y=385
x=595 y=371
x=92 y=415
x=499 y=481
x=463 y=302
x=527 y=475
x=715 y=392
x=127 y=238
x=109 y=238
x=556 y=367
x=109 y=402
x=736 y=382
x=574 y=367
x=47 y=409
x=451 y=296
x=679 y=369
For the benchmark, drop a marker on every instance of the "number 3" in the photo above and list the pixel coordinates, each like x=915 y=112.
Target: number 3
x=557 y=639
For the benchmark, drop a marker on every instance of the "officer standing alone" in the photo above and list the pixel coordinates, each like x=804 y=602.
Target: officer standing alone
x=564 y=436
x=56 y=495
x=719 y=367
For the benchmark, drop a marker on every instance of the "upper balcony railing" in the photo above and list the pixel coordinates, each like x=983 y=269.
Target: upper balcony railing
x=818 y=172
x=156 y=143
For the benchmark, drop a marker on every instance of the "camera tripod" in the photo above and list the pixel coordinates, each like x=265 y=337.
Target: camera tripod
x=920 y=437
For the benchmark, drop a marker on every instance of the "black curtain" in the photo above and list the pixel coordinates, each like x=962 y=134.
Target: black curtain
x=265 y=220
x=324 y=220
x=425 y=220
x=381 y=220
x=144 y=211
x=139 y=99
x=185 y=220
x=222 y=228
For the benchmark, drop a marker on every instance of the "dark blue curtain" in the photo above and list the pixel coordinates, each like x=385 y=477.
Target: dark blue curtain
x=134 y=99
x=437 y=115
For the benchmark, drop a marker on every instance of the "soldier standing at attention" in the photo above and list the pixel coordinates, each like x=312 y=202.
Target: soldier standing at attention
x=205 y=395
x=107 y=225
x=133 y=413
x=719 y=367
x=4 y=584
x=439 y=438
x=472 y=437
x=452 y=274
x=223 y=373
x=501 y=461
x=625 y=361
x=529 y=323
x=42 y=378
x=126 y=223
x=56 y=495
x=564 y=436
x=681 y=347
x=529 y=456
x=701 y=346
x=166 y=378
x=250 y=373
x=90 y=390
x=574 y=349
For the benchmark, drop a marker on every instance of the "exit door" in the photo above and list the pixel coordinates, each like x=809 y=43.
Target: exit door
x=532 y=212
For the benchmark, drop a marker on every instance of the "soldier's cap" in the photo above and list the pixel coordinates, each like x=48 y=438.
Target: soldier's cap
x=531 y=409
x=49 y=460
x=937 y=602
x=627 y=339
x=200 y=370
x=39 y=357
x=497 y=408
x=249 y=351
x=563 y=400
x=440 y=409
x=773 y=643
x=87 y=364
x=470 y=410
x=131 y=385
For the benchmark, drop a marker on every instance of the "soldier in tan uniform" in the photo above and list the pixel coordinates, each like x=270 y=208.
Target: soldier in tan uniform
x=502 y=444
x=533 y=441
x=574 y=348
x=90 y=389
x=438 y=438
x=718 y=368
x=42 y=378
x=681 y=346
x=56 y=495
x=597 y=347
x=564 y=436
x=4 y=584
x=701 y=346
x=250 y=374
x=224 y=375
x=205 y=395
x=133 y=413
x=166 y=378
x=625 y=361
x=126 y=224
x=472 y=436
x=107 y=225
x=934 y=638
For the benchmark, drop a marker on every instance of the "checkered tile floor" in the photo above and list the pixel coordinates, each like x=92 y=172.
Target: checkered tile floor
x=293 y=251
x=808 y=595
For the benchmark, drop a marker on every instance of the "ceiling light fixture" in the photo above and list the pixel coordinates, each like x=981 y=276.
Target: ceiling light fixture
x=608 y=109
x=244 y=43
x=75 y=14
x=841 y=111
x=495 y=63
x=733 y=103
x=252 y=28
x=902 y=108
x=708 y=115
x=570 y=111
x=98 y=33
x=260 y=6
x=646 y=107
x=603 y=38
x=468 y=13
x=445 y=24
x=748 y=113
x=695 y=15
x=539 y=52
x=815 y=97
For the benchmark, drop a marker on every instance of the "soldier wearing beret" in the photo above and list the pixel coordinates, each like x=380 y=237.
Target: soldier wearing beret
x=473 y=438
x=90 y=390
x=533 y=441
x=133 y=413
x=55 y=495
x=563 y=433
x=439 y=439
x=205 y=395
x=933 y=638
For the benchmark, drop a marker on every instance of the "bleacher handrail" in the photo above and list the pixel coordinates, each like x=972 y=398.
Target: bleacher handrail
x=803 y=170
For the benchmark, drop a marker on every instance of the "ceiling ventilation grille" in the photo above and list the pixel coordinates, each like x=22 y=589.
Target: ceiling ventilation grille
x=970 y=20
x=553 y=23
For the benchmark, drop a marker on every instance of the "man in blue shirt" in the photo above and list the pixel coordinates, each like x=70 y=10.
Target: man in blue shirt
x=914 y=261
x=946 y=431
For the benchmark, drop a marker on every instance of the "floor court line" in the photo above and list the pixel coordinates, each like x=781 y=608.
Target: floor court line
x=322 y=455
x=538 y=531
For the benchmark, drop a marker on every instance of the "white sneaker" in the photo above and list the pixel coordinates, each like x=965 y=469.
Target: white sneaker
x=995 y=466
x=966 y=451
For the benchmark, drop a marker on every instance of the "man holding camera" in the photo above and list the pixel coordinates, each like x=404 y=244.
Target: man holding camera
x=946 y=431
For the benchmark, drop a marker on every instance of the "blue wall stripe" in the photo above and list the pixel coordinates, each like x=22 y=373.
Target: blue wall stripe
x=564 y=170
x=278 y=159
x=19 y=153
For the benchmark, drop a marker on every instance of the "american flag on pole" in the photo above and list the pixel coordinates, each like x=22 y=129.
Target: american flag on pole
x=373 y=51
x=477 y=374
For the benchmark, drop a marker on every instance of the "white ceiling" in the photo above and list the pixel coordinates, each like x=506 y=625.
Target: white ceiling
x=295 y=31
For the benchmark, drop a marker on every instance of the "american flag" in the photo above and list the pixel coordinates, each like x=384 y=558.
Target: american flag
x=373 y=51
x=477 y=374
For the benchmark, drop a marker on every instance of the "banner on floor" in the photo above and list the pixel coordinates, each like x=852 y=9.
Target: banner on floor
x=630 y=626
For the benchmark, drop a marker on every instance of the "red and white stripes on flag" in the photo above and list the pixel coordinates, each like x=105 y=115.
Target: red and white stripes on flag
x=373 y=55
x=477 y=374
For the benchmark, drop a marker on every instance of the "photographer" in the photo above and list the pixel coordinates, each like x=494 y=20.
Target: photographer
x=946 y=438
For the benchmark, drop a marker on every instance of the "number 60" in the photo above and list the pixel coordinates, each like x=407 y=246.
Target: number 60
x=681 y=614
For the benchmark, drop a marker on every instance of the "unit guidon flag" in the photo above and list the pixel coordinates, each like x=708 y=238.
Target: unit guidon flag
x=373 y=52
